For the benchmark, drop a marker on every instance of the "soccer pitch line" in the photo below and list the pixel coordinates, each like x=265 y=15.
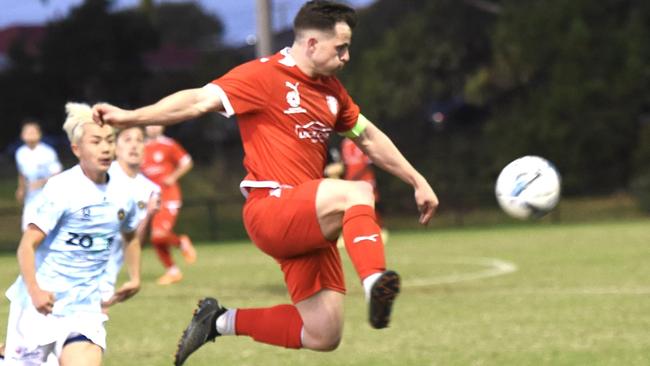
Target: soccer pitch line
x=493 y=267
x=579 y=291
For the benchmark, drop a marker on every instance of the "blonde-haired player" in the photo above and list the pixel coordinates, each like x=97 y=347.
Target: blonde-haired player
x=56 y=300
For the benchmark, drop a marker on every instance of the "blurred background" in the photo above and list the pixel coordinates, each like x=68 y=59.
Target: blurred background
x=461 y=86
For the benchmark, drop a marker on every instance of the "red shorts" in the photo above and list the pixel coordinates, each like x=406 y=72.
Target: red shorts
x=287 y=229
x=164 y=220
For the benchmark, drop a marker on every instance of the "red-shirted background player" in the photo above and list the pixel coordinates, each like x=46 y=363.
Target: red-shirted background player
x=165 y=162
x=354 y=164
x=358 y=165
x=287 y=105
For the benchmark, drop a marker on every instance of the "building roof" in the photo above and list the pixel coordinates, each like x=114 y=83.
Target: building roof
x=31 y=35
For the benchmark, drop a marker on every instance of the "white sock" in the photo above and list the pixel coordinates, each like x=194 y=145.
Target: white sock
x=368 y=282
x=226 y=322
x=302 y=336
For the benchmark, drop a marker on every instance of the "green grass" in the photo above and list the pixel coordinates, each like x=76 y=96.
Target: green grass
x=580 y=296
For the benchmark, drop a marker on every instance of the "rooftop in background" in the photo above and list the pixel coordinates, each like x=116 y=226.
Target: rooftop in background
x=31 y=35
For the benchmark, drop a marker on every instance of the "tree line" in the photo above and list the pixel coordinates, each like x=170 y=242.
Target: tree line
x=462 y=87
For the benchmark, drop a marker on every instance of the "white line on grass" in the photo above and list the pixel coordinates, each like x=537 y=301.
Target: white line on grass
x=495 y=267
x=632 y=291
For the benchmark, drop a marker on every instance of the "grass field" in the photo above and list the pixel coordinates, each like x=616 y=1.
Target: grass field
x=541 y=294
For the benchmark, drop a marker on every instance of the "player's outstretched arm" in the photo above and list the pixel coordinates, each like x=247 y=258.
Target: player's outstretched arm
x=132 y=250
x=32 y=237
x=144 y=227
x=20 y=190
x=385 y=155
x=183 y=168
x=180 y=106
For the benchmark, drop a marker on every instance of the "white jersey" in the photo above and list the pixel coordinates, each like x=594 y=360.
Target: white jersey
x=34 y=164
x=141 y=189
x=81 y=220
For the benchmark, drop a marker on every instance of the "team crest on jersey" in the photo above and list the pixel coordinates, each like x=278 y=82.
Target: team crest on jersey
x=332 y=104
x=293 y=98
x=121 y=214
x=158 y=156
x=85 y=214
x=141 y=204
x=314 y=131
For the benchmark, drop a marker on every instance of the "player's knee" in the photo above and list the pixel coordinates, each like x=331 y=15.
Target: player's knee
x=159 y=238
x=358 y=193
x=340 y=195
x=327 y=342
x=323 y=334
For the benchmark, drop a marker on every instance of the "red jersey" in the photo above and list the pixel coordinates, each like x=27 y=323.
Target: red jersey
x=162 y=156
x=358 y=165
x=285 y=118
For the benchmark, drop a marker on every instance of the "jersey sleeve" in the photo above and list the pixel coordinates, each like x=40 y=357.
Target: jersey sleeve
x=132 y=219
x=50 y=206
x=20 y=161
x=53 y=164
x=147 y=189
x=348 y=113
x=242 y=89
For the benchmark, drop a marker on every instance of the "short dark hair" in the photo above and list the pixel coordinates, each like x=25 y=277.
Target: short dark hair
x=119 y=131
x=30 y=121
x=323 y=15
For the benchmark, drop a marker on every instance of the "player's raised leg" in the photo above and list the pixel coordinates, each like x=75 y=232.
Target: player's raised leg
x=81 y=352
x=348 y=206
x=315 y=323
x=162 y=239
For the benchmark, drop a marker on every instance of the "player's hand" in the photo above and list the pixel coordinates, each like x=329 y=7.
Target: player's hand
x=20 y=195
x=427 y=202
x=104 y=113
x=153 y=205
x=43 y=301
x=169 y=180
x=334 y=170
x=125 y=292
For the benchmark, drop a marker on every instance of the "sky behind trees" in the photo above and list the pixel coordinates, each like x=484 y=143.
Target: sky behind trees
x=238 y=15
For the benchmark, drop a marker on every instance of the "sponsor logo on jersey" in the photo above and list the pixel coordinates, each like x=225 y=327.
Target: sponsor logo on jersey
x=293 y=99
x=314 y=131
x=121 y=214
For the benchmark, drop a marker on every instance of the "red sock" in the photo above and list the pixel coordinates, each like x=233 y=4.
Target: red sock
x=279 y=325
x=173 y=240
x=362 y=236
x=162 y=250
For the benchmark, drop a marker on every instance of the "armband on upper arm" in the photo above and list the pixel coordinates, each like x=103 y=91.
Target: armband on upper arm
x=357 y=130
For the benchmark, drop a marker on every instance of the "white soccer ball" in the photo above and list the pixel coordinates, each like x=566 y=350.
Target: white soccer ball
x=528 y=187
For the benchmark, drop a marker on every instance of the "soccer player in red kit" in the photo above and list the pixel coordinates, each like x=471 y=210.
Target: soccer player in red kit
x=353 y=164
x=165 y=162
x=287 y=106
x=358 y=165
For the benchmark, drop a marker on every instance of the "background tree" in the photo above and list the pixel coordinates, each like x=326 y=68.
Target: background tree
x=568 y=82
x=416 y=64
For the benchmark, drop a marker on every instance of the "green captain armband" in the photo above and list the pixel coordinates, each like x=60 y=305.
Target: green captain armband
x=357 y=130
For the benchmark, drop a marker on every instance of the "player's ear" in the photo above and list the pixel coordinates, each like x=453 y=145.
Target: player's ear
x=311 y=44
x=76 y=150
